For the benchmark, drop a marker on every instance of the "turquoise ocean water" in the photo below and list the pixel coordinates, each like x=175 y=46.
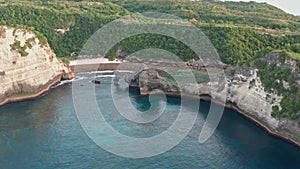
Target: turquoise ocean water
x=45 y=133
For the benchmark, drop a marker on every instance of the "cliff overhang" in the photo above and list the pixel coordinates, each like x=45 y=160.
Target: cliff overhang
x=29 y=68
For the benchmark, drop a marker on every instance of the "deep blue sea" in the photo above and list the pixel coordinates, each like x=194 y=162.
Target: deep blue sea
x=45 y=133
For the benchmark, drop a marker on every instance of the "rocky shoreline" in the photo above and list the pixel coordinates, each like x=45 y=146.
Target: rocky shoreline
x=260 y=124
x=29 y=68
x=244 y=94
x=44 y=90
x=235 y=108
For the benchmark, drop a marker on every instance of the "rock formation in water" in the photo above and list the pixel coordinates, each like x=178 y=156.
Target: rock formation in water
x=244 y=92
x=28 y=67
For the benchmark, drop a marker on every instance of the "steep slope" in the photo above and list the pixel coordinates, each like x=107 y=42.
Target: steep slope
x=66 y=25
x=246 y=14
x=28 y=68
x=244 y=93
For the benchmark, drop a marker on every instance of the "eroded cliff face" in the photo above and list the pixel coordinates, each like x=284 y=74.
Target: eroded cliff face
x=28 y=68
x=244 y=93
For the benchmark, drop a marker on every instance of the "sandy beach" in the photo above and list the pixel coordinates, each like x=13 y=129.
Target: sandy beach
x=88 y=61
x=93 y=64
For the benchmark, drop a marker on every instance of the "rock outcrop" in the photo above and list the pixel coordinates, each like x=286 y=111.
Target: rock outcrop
x=244 y=92
x=28 y=67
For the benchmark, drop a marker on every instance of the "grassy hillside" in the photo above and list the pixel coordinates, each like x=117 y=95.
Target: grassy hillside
x=247 y=14
x=240 y=31
x=81 y=19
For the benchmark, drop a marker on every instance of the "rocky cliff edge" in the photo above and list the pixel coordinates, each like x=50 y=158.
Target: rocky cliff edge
x=244 y=93
x=28 y=67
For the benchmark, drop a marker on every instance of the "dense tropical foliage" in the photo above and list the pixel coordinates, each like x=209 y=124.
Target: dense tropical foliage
x=80 y=19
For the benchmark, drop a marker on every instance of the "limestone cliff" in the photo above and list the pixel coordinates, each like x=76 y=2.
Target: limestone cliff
x=244 y=92
x=28 y=67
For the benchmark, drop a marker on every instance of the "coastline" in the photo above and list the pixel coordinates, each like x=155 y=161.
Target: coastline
x=93 y=64
x=240 y=112
x=111 y=65
x=261 y=125
x=82 y=65
x=45 y=89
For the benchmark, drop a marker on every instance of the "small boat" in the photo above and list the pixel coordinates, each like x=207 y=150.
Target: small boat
x=96 y=81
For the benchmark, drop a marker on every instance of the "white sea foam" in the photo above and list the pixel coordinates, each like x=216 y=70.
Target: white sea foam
x=105 y=76
x=80 y=77
x=69 y=81
x=97 y=72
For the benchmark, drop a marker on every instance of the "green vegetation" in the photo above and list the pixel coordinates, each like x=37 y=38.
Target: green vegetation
x=21 y=49
x=273 y=77
x=2 y=73
x=292 y=51
x=252 y=14
x=28 y=44
x=238 y=46
x=41 y=37
x=295 y=47
x=290 y=108
x=294 y=55
x=65 y=60
x=145 y=41
x=239 y=31
x=45 y=17
x=235 y=46
x=2 y=31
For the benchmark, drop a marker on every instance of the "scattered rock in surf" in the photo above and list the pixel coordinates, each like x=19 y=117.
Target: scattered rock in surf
x=96 y=81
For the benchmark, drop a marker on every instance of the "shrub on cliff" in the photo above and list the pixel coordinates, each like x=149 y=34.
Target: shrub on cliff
x=274 y=72
x=2 y=31
x=296 y=47
x=21 y=49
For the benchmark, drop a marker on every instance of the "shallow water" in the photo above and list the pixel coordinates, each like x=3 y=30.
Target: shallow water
x=45 y=133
